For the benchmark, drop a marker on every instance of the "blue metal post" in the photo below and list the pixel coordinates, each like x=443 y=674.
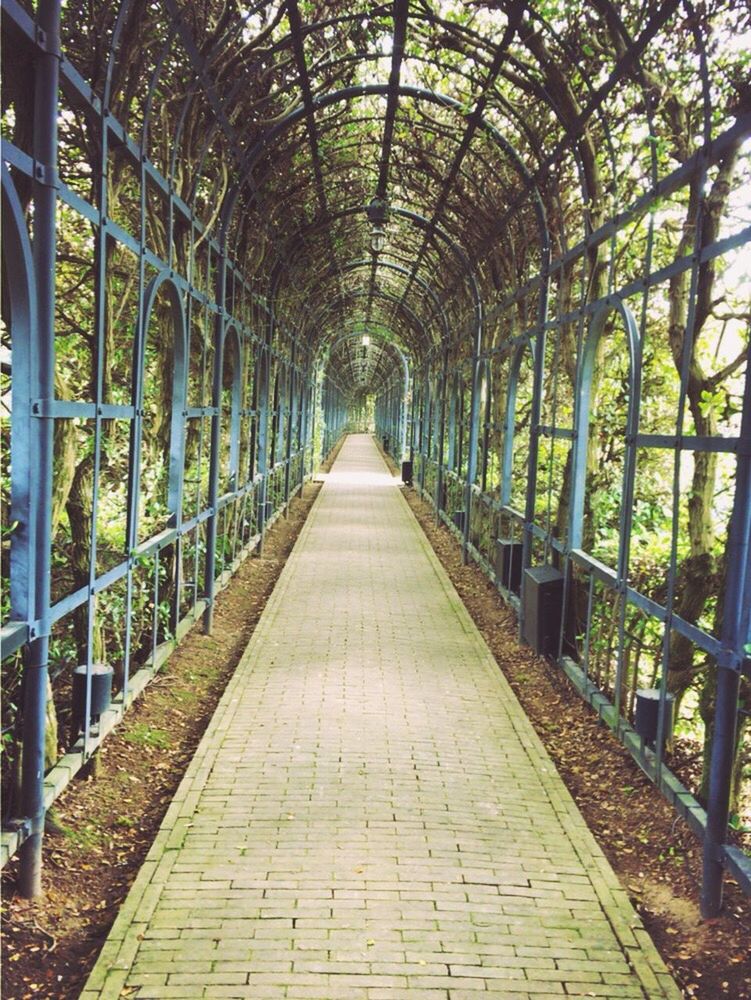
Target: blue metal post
x=736 y=634
x=215 y=458
x=45 y=202
x=439 y=479
x=291 y=422
x=263 y=439
x=425 y=416
x=474 y=434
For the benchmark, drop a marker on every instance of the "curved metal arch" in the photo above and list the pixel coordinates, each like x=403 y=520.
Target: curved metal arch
x=453 y=391
x=380 y=293
x=509 y=417
x=421 y=222
x=158 y=66
x=614 y=304
x=428 y=17
x=474 y=184
x=458 y=251
x=543 y=91
x=20 y=287
x=122 y=16
x=480 y=38
x=399 y=269
x=312 y=236
x=151 y=92
x=484 y=41
x=362 y=293
x=387 y=344
x=164 y=282
x=486 y=383
x=360 y=209
x=380 y=90
x=232 y=334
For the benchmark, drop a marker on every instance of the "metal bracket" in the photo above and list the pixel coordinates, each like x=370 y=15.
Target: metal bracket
x=18 y=825
x=46 y=176
x=39 y=629
x=43 y=408
x=47 y=41
x=728 y=659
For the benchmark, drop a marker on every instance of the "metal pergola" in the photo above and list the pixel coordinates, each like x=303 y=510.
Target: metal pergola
x=226 y=229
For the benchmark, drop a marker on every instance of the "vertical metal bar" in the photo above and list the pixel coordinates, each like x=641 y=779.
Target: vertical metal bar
x=474 y=416
x=442 y=432
x=536 y=408
x=627 y=497
x=412 y=416
x=263 y=439
x=306 y=405
x=253 y=442
x=424 y=425
x=687 y=351
x=486 y=427
x=460 y=424
x=302 y=422
x=325 y=416
x=155 y=616
x=474 y=435
x=47 y=70
x=588 y=624
x=534 y=444
x=402 y=395
x=509 y=425
x=452 y=423
x=292 y=407
x=132 y=498
x=215 y=456
x=736 y=634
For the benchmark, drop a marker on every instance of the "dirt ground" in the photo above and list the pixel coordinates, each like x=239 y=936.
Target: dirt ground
x=108 y=821
x=653 y=852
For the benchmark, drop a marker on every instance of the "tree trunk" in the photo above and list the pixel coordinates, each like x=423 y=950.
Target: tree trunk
x=79 y=508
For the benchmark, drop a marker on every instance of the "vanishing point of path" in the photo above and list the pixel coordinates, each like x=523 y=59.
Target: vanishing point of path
x=370 y=814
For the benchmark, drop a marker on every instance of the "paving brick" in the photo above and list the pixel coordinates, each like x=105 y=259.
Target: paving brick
x=370 y=815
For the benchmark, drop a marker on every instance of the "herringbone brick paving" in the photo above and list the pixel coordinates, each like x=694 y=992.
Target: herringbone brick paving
x=370 y=814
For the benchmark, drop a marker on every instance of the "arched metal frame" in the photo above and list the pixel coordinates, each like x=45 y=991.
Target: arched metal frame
x=31 y=456
x=613 y=305
x=231 y=336
x=581 y=423
x=509 y=422
x=19 y=285
x=162 y=283
x=441 y=309
x=486 y=385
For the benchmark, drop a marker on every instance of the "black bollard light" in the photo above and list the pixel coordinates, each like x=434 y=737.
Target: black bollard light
x=101 y=695
x=647 y=716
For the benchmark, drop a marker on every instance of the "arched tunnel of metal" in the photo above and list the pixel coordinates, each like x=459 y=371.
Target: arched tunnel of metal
x=509 y=239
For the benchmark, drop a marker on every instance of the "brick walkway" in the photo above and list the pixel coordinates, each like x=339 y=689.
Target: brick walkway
x=370 y=814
